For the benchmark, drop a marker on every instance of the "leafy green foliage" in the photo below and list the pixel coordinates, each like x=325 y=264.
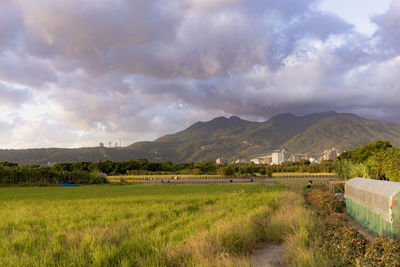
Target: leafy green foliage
x=378 y=160
x=346 y=169
x=40 y=175
x=323 y=201
x=362 y=153
x=93 y=173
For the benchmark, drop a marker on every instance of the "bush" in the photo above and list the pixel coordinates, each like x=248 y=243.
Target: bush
x=342 y=243
x=41 y=175
x=323 y=201
x=343 y=169
x=382 y=251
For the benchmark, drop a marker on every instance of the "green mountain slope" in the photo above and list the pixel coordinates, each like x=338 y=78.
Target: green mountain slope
x=344 y=131
x=232 y=138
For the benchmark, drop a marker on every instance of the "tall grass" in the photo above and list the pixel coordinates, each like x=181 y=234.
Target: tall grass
x=296 y=227
x=135 y=225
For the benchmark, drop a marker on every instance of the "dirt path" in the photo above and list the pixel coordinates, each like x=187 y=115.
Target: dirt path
x=270 y=256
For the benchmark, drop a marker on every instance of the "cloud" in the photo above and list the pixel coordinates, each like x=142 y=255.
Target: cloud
x=26 y=70
x=12 y=96
x=10 y=24
x=388 y=33
x=134 y=70
x=170 y=39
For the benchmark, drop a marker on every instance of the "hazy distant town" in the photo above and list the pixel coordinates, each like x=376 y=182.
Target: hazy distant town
x=279 y=156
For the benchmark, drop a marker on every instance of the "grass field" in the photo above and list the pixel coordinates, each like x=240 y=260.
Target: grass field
x=135 y=225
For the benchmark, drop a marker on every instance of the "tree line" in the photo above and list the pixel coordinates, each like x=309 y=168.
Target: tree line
x=143 y=166
x=11 y=173
x=96 y=173
x=378 y=160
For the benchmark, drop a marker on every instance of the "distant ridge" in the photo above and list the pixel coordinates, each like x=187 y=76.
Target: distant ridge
x=232 y=138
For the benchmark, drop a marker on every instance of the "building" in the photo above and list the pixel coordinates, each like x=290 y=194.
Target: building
x=285 y=156
x=256 y=161
x=101 y=144
x=331 y=154
x=260 y=160
x=268 y=160
x=220 y=161
x=117 y=144
x=278 y=157
x=313 y=160
x=294 y=158
x=109 y=144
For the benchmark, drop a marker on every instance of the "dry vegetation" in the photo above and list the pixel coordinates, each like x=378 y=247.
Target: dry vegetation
x=137 y=225
x=180 y=225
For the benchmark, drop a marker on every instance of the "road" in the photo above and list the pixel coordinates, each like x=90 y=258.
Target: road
x=230 y=180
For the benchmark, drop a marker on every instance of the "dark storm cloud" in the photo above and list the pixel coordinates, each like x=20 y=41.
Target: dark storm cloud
x=151 y=67
x=168 y=39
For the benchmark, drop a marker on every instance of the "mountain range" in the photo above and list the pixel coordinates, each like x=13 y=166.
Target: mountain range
x=232 y=138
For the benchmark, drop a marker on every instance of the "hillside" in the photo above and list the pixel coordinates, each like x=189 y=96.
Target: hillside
x=232 y=138
x=344 y=131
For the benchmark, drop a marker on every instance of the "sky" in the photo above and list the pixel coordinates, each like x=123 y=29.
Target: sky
x=75 y=73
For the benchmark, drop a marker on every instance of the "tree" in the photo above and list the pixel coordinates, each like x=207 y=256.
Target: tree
x=363 y=153
x=227 y=171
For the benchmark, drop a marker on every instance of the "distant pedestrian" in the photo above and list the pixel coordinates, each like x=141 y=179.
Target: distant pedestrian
x=309 y=184
x=162 y=180
x=252 y=179
x=231 y=181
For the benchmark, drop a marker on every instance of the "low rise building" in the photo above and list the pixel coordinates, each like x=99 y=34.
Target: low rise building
x=260 y=160
x=331 y=154
x=221 y=161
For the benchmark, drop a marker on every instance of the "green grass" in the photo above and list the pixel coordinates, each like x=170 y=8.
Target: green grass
x=133 y=225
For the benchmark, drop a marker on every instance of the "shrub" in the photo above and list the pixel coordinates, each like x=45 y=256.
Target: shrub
x=343 y=243
x=343 y=169
x=323 y=201
x=382 y=251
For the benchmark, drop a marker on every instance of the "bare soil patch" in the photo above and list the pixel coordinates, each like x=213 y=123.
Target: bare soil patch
x=271 y=255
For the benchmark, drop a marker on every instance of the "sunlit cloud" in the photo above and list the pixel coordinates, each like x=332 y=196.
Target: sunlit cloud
x=75 y=73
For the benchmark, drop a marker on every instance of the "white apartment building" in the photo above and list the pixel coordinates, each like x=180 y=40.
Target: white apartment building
x=278 y=157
